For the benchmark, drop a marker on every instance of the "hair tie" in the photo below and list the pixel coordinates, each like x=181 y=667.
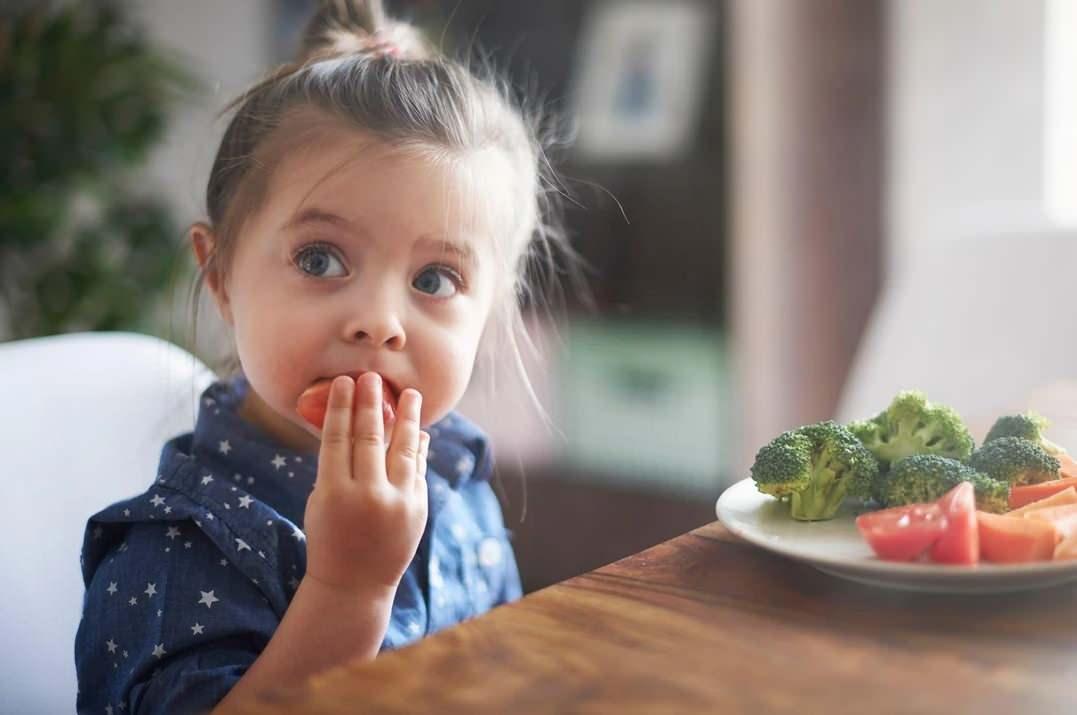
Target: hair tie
x=378 y=45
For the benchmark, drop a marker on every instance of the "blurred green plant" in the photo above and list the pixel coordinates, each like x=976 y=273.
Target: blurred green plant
x=83 y=98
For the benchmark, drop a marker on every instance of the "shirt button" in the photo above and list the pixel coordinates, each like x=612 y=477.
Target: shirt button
x=490 y=552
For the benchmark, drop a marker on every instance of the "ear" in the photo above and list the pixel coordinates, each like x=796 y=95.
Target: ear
x=204 y=245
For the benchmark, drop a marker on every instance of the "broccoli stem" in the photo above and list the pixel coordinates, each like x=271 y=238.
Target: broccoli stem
x=822 y=497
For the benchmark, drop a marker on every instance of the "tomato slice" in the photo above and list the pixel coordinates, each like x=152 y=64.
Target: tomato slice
x=960 y=543
x=1012 y=539
x=314 y=402
x=902 y=533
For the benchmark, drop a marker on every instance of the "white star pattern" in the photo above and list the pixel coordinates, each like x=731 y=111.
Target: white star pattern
x=159 y=650
x=463 y=465
x=241 y=545
x=111 y=645
x=197 y=629
x=122 y=706
x=186 y=544
x=225 y=447
x=112 y=588
x=435 y=573
x=208 y=598
x=207 y=479
x=245 y=502
x=298 y=535
x=157 y=500
x=151 y=589
x=133 y=601
x=168 y=510
x=108 y=708
x=172 y=533
x=279 y=461
x=127 y=512
x=224 y=562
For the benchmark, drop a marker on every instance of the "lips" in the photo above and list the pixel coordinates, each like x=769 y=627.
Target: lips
x=314 y=402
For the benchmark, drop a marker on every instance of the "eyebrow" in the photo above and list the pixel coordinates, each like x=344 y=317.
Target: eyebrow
x=314 y=215
x=463 y=252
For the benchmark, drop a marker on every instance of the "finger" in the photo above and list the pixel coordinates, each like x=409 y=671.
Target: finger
x=368 y=442
x=404 y=449
x=335 y=451
x=424 y=450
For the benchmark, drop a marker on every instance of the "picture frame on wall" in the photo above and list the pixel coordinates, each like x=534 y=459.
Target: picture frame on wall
x=641 y=78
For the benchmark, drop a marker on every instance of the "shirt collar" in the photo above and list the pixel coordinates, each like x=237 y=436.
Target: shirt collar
x=247 y=456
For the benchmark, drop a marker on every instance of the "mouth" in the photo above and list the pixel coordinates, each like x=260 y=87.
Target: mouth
x=314 y=401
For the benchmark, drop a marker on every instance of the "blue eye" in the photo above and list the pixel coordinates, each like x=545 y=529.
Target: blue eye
x=437 y=281
x=316 y=260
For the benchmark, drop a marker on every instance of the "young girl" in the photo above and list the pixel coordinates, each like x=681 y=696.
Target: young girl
x=372 y=209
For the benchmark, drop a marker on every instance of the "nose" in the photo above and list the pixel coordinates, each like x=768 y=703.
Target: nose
x=377 y=324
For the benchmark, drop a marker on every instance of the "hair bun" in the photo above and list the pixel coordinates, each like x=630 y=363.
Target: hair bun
x=359 y=27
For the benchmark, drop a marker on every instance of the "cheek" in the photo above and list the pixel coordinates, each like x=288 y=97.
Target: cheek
x=445 y=375
x=273 y=352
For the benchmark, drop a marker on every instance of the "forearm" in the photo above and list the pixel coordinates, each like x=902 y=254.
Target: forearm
x=322 y=627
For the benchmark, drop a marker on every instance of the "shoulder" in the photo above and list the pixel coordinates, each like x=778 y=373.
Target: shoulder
x=187 y=503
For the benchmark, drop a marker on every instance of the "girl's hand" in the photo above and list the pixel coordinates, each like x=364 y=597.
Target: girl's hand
x=368 y=509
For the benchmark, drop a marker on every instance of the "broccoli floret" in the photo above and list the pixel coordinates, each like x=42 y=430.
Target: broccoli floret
x=814 y=468
x=913 y=425
x=926 y=477
x=1028 y=426
x=1015 y=461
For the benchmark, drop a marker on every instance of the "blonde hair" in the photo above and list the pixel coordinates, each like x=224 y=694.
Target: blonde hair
x=359 y=67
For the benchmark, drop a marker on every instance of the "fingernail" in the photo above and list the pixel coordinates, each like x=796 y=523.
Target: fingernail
x=339 y=386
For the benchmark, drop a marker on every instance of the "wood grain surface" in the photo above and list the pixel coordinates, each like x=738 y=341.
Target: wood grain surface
x=706 y=623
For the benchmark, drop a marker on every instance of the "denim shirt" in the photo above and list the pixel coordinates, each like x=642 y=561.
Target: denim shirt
x=186 y=582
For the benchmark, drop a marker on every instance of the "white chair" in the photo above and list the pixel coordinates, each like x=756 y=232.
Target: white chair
x=82 y=421
x=986 y=324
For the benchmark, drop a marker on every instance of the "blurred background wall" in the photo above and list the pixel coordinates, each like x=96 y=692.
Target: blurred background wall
x=749 y=181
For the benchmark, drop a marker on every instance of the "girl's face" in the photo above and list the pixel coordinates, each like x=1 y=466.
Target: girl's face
x=362 y=258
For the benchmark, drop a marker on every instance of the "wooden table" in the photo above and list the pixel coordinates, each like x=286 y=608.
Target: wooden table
x=706 y=623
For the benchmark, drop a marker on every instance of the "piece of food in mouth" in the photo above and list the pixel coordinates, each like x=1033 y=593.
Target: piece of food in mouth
x=314 y=402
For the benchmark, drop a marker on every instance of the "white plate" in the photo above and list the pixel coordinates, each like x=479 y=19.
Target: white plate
x=836 y=547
